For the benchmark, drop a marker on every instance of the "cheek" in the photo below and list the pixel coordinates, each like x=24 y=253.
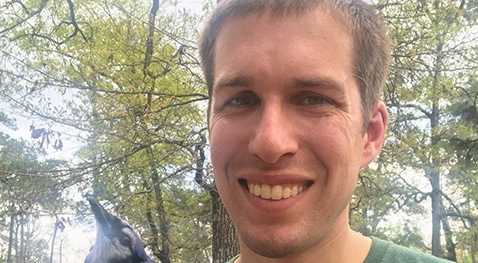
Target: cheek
x=338 y=145
x=337 y=152
x=223 y=145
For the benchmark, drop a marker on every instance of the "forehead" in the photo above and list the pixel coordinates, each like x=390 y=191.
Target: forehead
x=318 y=40
x=316 y=14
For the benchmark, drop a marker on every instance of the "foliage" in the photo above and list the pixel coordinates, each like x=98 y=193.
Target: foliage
x=121 y=78
x=25 y=194
x=430 y=94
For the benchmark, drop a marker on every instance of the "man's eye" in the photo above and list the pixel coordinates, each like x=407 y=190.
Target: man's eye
x=243 y=100
x=314 y=100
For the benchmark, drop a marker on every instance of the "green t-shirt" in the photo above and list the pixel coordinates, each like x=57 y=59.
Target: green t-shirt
x=387 y=252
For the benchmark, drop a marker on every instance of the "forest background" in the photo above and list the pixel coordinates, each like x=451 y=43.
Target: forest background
x=106 y=98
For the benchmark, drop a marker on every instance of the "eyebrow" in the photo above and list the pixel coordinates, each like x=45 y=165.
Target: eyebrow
x=316 y=82
x=236 y=81
x=323 y=83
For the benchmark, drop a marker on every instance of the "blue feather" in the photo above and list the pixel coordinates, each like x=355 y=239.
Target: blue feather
x=116 y=241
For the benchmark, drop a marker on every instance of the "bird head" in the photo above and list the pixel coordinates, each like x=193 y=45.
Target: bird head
x=116 y=241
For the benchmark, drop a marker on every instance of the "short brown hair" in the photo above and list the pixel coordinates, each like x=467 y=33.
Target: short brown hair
x=371 y=43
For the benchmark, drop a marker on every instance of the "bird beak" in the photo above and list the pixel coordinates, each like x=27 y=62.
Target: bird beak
x=102 y=216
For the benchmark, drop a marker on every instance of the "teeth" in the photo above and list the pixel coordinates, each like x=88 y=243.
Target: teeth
x=286 y=192
x=266 y=191
x=275 y=192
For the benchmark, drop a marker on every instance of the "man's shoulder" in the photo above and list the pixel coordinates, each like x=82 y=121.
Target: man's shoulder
x=386 y=251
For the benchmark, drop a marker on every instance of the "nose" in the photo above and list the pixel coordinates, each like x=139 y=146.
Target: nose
x=273 y=135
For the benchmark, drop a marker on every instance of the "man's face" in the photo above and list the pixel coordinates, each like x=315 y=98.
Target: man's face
x=286 y=129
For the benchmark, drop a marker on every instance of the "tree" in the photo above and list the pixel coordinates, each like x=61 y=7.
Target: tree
x=122 y=78
x=146 y=143
x=224 y=237
x=434 y=56
x=130 y=88
x=379 y=195
x=25 y=194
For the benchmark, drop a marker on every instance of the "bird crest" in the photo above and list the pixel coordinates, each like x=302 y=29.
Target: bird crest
x=116 y=241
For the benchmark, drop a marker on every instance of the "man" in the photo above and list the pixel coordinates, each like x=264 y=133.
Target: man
x=294 y=114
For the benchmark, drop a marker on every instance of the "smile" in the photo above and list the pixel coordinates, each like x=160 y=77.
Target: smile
x=275 y=192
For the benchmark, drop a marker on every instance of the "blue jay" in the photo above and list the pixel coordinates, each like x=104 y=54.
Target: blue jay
x=116 y=241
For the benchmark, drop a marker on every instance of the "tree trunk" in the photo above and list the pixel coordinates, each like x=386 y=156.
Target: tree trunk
x=22 y=238
x=53 y=239
x=164 y=255
x=436 y=213
x=450 y=245
x=224 y=239
x=474 y=244
x=10 y=236
x=434 y=174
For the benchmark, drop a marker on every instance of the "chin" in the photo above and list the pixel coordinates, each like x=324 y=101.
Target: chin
x=271 y=250
x=282 y=246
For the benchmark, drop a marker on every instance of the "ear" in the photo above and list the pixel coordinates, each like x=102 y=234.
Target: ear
x=375 y=133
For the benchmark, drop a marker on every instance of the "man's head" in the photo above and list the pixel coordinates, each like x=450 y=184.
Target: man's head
x=371 y=44
x=287 y=130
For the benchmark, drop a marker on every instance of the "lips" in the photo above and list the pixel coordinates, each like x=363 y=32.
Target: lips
x=275 y=191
